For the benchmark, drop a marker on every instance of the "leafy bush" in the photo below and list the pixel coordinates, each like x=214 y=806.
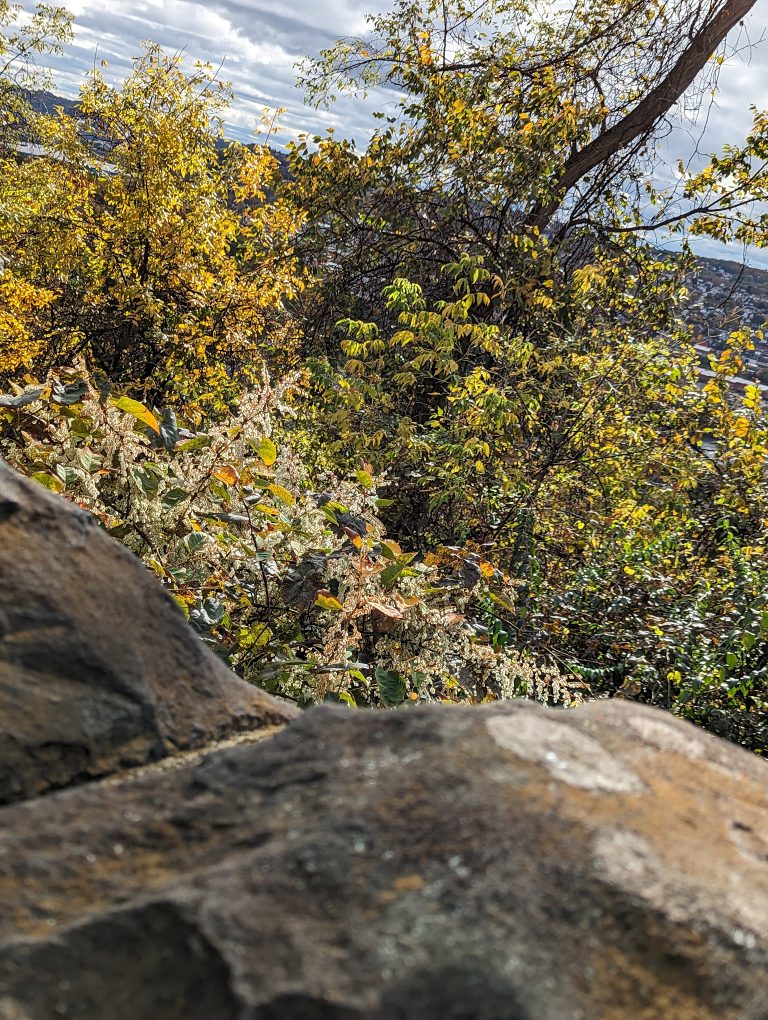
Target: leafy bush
x=298 y=589
x=624 y=498
x=158 y=257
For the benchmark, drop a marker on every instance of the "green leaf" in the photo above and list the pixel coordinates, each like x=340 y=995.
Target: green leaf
x=196 y=443
x=174 y=496
x=147 y=481
x=325 y=600
x=194 y=541
x=254 y=482
x=748 y=640
x=265 y=449
x=90 y=461
x=255 y=636
x=72 y=393
x=49 y=481
x=83 y=427
x=103 y=385
x=391 y=687
x=330 y=515
x=68 y=475
x=391 y=572
x=120 y=531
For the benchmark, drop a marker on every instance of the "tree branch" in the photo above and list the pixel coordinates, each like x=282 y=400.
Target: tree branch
x=641 y=120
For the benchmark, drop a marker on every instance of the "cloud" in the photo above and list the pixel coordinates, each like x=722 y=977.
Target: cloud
x=256 y=46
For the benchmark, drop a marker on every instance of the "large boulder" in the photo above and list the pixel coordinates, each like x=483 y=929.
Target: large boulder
x=98 y=668
x=503 y=862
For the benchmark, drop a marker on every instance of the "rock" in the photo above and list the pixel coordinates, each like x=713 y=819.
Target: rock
x=503 y=862
x=98 y=668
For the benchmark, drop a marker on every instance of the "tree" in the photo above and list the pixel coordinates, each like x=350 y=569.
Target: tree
x=554 y=100
x=44 y=32
x=21 y=39
x=525 y=378
x=168 y=267
x=509 y=123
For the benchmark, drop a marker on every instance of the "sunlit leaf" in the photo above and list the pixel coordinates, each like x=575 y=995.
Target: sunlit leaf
x=137 y=410
x=325 y=600
x=267 y=450
x=226 y=474
x=282 y=494
x=49 y=481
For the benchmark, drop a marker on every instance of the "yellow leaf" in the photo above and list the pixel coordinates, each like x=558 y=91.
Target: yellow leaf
x=740 y=427
x=282 y=494
x=181 y=602
x=267 y=451
x=324 y=600
x=137 y=410
x=49 y=481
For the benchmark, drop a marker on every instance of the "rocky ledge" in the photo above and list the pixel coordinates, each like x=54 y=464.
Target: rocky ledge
x=503 y=862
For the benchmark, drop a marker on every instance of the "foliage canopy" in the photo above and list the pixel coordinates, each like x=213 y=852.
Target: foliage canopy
x=422 y=421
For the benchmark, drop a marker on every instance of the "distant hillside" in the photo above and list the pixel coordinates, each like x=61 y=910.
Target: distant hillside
x=724 y=294
x=46 y=102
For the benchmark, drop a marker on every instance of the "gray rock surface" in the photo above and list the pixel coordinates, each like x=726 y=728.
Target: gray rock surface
x=98 y=668
x=502 y=862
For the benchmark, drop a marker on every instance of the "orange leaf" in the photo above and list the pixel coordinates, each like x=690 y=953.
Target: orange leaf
x=226 y=474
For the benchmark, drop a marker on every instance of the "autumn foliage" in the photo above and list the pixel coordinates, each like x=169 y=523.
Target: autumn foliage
x=417 y=422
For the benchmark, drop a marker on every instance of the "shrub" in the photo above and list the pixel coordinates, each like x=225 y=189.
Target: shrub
x=299 y=590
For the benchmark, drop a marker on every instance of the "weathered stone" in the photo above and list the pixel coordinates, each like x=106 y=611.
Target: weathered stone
x=496 y=863
x=98 y=668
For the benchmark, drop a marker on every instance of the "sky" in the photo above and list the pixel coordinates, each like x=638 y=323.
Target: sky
x=258 y=43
